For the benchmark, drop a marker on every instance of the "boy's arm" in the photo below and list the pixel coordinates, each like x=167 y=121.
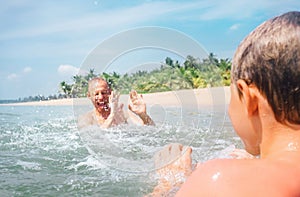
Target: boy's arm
x=173 y=165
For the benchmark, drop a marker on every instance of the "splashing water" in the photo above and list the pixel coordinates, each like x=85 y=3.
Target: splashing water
x=43 y=153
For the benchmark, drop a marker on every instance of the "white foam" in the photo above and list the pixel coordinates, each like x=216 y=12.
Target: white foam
x=29 y=165
x=89 y=162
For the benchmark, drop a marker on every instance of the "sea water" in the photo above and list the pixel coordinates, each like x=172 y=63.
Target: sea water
x=44 y=154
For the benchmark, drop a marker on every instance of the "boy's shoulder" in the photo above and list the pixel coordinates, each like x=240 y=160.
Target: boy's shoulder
x=237 y=177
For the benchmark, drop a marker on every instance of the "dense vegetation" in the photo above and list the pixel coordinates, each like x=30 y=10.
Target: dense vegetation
x=193 y=73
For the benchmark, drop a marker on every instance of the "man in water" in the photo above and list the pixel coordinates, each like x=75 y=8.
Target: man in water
x=265 y=112
x=107 y=111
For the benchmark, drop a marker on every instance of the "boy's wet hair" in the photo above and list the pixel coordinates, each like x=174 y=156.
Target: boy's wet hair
x=269 y=58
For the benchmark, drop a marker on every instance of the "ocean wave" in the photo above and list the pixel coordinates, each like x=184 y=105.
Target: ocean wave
x=26 y=165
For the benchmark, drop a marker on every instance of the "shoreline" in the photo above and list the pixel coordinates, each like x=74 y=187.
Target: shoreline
x=188 y=97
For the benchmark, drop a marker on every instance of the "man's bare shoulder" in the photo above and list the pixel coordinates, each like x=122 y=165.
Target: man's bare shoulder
x=235 y=177
x=86 y=119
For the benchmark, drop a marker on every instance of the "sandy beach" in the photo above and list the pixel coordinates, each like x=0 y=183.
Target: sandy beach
x=200 y=97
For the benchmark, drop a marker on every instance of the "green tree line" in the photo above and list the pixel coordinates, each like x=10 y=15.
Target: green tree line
x=193 y=73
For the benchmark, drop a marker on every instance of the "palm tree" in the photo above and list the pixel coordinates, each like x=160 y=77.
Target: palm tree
x=66 y=88
x=224 y=64
x=79 y=88
x=91 y=74
x=191 y=62
x=169 y=62
x=212 y=59
x=170 y=76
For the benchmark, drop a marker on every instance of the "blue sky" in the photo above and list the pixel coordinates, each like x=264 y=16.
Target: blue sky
x=46 y=42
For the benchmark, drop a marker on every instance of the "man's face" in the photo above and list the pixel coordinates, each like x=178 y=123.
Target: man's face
x=99 y=95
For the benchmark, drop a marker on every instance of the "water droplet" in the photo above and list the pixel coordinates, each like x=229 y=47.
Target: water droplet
x=216 y=176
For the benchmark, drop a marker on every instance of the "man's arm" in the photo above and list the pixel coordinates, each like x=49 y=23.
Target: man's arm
x=146 y=119
x=138 y=106
x=108 y=122
x=113 y=103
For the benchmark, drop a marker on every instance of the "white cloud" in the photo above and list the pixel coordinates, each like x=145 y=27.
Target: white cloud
x=27 y=70
x=12 y=76
x=233 y=9
x=137 y=14
x=67 y=70
x=120 y=16
x=234 y=27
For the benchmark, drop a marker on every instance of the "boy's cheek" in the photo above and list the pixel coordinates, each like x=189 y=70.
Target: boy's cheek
x=243 y=129
x=236 y=110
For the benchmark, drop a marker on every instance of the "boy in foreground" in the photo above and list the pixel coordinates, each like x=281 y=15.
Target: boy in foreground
x=107 y=111
x=265 y=112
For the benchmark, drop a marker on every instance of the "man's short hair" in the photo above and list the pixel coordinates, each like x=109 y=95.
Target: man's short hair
x=95 y=79
x=269 y=58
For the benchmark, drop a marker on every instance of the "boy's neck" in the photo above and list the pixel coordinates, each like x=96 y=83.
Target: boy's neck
x=279 y=140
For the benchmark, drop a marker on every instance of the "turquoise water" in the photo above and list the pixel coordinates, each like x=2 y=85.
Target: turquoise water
x=43 y=153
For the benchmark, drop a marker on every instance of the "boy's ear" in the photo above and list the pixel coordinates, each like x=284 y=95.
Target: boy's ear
x=249 y=96
x=88 y=94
